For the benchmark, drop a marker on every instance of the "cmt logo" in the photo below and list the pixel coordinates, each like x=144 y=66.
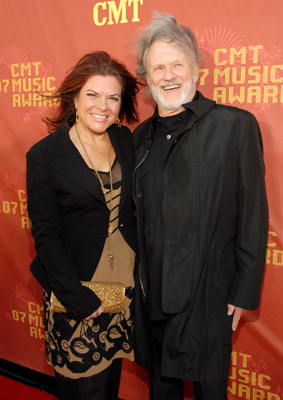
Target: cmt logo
x=111 y=13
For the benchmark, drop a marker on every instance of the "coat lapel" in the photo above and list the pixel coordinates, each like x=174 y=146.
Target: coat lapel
x=66 y=159
x=120 y=145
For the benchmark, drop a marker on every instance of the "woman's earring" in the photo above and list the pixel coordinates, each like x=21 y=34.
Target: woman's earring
x=77 y=116
x=118 y=122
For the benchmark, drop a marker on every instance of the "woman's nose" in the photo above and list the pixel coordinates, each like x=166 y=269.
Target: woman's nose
x=102 y=103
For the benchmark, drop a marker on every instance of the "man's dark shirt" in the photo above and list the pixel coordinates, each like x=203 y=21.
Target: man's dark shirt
x=166 y=131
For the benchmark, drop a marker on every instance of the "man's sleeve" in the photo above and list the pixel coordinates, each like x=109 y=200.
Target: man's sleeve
x=253 y=223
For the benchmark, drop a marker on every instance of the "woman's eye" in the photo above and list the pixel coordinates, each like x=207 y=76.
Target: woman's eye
x=114 y=98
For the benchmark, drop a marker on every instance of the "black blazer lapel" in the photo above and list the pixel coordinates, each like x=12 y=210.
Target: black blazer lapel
x=66 y=159
x=120 y=142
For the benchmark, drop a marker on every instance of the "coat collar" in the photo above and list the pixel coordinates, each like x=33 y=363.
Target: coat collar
x=199 y=106
x=66 y=159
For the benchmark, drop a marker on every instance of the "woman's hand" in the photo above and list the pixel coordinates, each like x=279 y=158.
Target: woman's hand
x=96 y=313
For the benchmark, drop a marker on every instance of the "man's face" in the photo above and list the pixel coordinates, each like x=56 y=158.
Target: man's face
x=170 y=77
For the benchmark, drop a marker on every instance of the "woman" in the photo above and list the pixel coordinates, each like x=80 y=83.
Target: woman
x=79 y=185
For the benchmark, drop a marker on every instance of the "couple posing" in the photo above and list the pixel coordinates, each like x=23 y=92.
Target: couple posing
x=197 y=174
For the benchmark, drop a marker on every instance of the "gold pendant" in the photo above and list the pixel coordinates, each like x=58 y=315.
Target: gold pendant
x=111 y=260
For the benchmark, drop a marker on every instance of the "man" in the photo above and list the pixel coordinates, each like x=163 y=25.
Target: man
x=202 y=220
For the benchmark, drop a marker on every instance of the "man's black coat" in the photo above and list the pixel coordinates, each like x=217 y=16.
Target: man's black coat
x=215 y=230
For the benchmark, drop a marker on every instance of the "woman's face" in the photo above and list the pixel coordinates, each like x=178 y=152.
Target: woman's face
x=98 y=103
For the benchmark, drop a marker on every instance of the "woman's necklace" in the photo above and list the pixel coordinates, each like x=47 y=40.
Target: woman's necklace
x=110 y=252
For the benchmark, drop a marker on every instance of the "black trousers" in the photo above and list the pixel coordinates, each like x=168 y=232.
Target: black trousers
x=172 y=388
x=102 y=386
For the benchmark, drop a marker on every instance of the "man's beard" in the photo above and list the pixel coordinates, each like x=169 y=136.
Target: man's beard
x=189 y=89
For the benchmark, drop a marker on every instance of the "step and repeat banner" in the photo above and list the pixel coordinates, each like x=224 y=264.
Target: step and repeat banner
x=242 y=44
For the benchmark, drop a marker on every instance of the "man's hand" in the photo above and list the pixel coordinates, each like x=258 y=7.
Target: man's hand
x=238 y=312
x=96 y=313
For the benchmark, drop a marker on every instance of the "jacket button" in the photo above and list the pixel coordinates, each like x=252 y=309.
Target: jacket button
x=139 y=195
x=121 y=225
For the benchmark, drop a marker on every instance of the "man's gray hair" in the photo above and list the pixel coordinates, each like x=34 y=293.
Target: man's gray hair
x=165 y=27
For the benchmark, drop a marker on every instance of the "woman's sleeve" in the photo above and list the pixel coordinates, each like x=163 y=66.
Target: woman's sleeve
x=43 y=209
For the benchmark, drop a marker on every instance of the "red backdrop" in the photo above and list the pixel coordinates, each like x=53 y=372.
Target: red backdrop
x=243 y=66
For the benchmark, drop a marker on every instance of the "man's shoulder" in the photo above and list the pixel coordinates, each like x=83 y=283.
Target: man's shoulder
x=224 y=110
x=235 y=120
x=143 y=125
x=142 y=131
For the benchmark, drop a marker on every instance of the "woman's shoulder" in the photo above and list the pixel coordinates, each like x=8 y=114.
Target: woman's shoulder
x=51 y=139
x=122 y=133
x=121 y=130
